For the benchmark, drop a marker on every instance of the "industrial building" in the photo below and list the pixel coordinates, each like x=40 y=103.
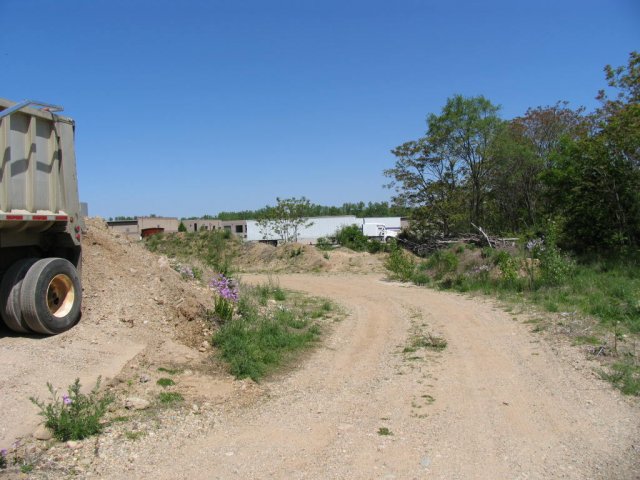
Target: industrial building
x=249 y=230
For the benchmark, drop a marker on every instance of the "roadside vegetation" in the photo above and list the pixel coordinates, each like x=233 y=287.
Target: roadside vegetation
x=563 y=182
x=268 y=328
x=213 y=249
x=257 y=329
x=601 y=296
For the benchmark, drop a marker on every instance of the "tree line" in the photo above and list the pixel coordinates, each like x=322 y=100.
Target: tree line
x=554 y=165
x=308 y=209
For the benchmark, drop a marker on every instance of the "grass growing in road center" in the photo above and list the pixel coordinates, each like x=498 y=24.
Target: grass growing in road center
x=266 y=333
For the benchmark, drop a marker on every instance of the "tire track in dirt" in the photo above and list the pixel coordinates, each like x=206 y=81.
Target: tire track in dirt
x=496 y=403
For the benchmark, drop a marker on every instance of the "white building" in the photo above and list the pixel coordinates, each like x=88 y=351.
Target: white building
x=321 y=227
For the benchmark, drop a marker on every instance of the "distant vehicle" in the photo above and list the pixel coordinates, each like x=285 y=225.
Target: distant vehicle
x=40 y=219
x=378 y=230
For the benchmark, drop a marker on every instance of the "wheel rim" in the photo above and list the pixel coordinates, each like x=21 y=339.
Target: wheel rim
x=60 y=295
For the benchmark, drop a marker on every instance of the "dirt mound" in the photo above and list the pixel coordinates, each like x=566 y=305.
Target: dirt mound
x=299 y=258
x=137 y=313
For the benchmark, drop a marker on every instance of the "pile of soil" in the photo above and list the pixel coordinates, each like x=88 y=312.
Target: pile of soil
x=138 y=314
x=299 y=258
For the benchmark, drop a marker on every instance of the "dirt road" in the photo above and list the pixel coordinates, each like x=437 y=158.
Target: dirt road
x=496 y=403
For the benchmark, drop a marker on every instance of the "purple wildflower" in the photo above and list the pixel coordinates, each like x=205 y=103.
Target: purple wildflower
x=224 y=287
x=3 y=452
x=66 y=400
x=186 y=271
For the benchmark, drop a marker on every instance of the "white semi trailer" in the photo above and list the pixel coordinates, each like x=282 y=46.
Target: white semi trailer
x=40 y=219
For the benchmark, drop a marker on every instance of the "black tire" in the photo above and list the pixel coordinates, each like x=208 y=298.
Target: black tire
x=51 y=296
x=10 y=287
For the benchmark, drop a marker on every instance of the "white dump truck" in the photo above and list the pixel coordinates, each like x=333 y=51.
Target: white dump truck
x=378 y=231
x=40 y=219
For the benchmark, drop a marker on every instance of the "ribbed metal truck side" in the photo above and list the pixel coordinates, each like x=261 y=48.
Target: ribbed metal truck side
x=40 y=220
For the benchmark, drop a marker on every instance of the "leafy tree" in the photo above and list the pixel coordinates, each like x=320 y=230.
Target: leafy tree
x=526 y=147
x=464 y=133
x=285 y=219
x=596 y=184
x=426 y=181
x=182 y=227
x=446 y=173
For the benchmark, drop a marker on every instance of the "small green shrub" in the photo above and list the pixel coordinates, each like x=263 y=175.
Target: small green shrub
x=324 y=244
x=168 y=398
x=351 y=237
x=508 y=266
x=384 y=431
x=400 y=265
x=625 y=376
x=165 y=382
x=74 y=416
x=375 y=246
x=442 y=262
x=3 y=459
x=279 y=295
x=421 y=278
x=296 y=252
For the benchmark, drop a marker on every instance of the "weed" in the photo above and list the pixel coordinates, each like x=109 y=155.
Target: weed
x=296 y=252
x=120 y=419
x=324 y=244
x=351 y=237
x=279 y=295
x=400 y=265
x=134 y=435
x=226 y=294
x=442 y=262
x=421 y=278
x=75 y=416
x=624 y=376
x=168 y=398
x=165 y=382
x=586 y=340
x=3 y=458
x=384 y=431
x=170 y=371
x=257 y=342
x=429 y=341
x=26 y=468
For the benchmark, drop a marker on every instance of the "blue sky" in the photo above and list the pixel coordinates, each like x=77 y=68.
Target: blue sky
x=190 y=107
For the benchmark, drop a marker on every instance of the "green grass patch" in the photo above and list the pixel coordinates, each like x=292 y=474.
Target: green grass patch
x=608 y=290
x=263 y=339
x=170 y=371
x=120 y=419
x=217 y=249
x=587 y=340
x=625 y=376
x=169 y=398
x=428 y=341
x=134 y=435
x=165 y=382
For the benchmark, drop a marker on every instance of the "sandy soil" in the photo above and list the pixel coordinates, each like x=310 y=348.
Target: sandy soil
x=496 y=403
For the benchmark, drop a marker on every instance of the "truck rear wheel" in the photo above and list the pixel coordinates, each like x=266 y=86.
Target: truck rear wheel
x=10 y=295
x=51 y=296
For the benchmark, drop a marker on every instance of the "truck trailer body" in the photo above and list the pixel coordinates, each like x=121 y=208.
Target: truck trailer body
x=40 y=219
